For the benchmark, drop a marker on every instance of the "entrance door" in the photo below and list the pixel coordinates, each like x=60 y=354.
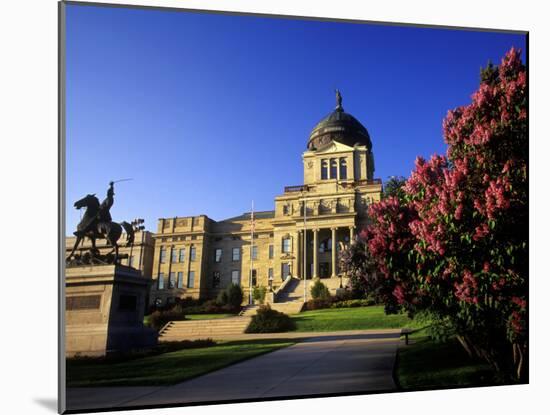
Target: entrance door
x=324 y=270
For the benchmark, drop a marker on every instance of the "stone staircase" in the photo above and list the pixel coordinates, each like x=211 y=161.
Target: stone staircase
x=203 y=329
x=290 y=300
x=292 y=307
x=294 y=291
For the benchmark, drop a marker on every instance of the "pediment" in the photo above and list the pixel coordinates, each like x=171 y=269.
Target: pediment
x=334 y=147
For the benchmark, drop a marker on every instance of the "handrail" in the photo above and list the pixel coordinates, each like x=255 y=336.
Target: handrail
x=165 y=327
x=282 y=287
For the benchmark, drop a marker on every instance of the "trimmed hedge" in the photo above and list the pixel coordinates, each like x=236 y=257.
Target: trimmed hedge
x=320 y=304
x=267 y=320
x=353 y=303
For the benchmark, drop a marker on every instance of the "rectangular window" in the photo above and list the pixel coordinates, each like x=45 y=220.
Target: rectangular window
x=180 y=279
x=254 y=278
x=333 y=169
x=191 y=279
x=174 y=255
x=236 y=254
x=286 y=245
x=218 y=255
x=192 y=253
x=270 y=251
x=235 y=278
x=255 y=252
x=161 y=281
x=162 y=254
x=324 y=170
x=172 y=280
x=270 y=273
x=343 y=169
x=131 y=261
x=182 y=254
x=216 y=279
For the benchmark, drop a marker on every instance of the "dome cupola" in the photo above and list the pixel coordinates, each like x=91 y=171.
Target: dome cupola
x=338 y=126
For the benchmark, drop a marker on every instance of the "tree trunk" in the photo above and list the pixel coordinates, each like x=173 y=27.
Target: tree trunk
x=465 y=345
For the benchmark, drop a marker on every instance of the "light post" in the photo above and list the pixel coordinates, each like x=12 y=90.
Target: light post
x=252 y=224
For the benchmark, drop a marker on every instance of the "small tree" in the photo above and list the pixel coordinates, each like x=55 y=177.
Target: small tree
x=231 y=296
x=319 y=291
x=394 y=187
x=234 y=295
x=258 y=293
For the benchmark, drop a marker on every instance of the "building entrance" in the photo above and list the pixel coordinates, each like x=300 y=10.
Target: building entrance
x=324 y=270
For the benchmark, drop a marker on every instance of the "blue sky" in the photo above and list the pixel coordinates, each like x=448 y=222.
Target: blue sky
x=207 y=112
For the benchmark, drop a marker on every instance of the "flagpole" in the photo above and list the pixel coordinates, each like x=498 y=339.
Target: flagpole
x=251 y=251
x=305 y=252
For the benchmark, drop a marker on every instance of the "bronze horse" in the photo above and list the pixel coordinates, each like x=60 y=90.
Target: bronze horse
x=93 y=227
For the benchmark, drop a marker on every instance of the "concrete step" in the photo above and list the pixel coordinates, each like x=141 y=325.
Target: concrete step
x=194 y=329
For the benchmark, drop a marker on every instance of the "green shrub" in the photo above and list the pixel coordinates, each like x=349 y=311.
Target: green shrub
x=231 y=296
x=258 y=293
x=160 y=317
x=222 y=298
x=234 y=295
x=319 y=291
x=267 y=320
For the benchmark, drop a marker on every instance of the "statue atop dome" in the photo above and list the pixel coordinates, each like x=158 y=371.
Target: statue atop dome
x=338 y=100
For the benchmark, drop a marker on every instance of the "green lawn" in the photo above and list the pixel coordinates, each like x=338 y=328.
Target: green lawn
x=427 y=364
x=357 y=318
x=167 y=368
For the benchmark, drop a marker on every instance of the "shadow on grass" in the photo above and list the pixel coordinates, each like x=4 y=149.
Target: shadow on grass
x=168 y=368
x=428 y=364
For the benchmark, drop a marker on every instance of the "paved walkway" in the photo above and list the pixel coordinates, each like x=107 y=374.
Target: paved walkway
x=329 y=363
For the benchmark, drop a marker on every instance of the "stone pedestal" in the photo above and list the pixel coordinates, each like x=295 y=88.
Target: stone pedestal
x=104 y=308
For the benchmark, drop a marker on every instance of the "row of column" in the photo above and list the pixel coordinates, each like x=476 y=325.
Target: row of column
x=316 y=250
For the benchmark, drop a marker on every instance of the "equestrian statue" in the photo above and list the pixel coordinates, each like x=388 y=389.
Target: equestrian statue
x=96 y=223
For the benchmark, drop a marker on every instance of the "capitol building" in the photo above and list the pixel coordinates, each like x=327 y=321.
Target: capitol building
x=196 y=256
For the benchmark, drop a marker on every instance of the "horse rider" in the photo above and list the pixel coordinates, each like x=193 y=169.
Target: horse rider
x=104 y=214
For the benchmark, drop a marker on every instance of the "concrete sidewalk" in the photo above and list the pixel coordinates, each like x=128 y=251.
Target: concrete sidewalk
x=326 y=363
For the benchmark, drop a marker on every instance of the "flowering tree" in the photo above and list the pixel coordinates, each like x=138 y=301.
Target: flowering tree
x=454 y=243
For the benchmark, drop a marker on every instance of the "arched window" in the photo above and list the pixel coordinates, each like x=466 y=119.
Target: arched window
x=324 y=170
x=333 y=169
x=343 y=169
